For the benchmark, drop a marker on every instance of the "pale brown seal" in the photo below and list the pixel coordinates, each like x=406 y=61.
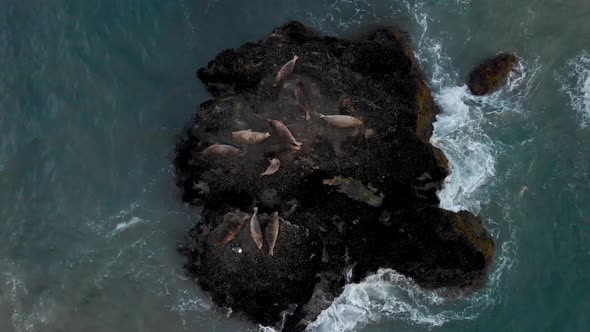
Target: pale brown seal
x=274 y=166
x=285 y=71
x=283 y=132
x=222 y=151
x=249 y=136
x=272 y=232
x=255 y=230
x=342 y=121
x=230 y=226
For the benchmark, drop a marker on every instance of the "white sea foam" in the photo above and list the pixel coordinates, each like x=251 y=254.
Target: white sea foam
x=188 y=304
x=575 y=82
x=124 y=225
x=470 y=151
x=386 y=293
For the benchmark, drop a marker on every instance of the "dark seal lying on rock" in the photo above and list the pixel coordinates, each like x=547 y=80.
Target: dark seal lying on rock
x=492 y=74
x=354 y=192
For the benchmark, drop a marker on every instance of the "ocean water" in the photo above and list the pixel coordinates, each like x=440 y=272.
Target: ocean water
x=93 y=94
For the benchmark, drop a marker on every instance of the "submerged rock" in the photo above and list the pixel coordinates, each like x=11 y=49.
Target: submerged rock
x=489 y=76
x=351 y=200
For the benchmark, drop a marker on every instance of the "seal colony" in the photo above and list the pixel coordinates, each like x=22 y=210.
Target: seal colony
x=313 y=168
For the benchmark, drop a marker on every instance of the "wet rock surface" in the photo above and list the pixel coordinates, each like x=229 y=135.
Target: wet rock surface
x=491 y=74
x=350 y=200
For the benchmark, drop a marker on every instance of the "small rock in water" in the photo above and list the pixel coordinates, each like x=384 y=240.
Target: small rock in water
x=489 y=76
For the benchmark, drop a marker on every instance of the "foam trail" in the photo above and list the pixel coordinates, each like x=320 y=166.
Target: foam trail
x=104 y=226
x=124 y=225
x=386 y=293
x=575 y=83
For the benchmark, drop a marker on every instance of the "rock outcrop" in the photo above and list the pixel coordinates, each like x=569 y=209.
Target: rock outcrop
x=492 y=74
x=351 y=200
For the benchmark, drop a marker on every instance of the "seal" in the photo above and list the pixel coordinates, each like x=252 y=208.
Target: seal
x=249 y=136
x=274 y=166
x=272 y=232
x=231 y=225
x=302 y=99
x=255 y=230
x=285 y=71
x=222 y=151
x=342 y=121
x=283 y=132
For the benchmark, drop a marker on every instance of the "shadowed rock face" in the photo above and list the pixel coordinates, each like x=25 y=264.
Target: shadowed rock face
x=361 y=198
x=489 y=76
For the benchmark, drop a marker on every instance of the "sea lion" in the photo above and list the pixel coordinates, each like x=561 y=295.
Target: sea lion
x=272 y=232
x=222 y=151
x=302 y=99
x=230 y=226
x=255 y=230
x=342 y=121
x=274 y=166
x=285 y=71
x=283 y=132
x=249 y=136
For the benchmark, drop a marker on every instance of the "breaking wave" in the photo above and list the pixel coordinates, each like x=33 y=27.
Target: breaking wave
x=575 y=83
x=461 y=132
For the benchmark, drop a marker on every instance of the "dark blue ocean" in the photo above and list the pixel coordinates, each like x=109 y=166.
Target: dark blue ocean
x=94 y=93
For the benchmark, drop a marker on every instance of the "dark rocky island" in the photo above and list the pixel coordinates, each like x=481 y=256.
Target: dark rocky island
x=350 y=199
x=491 y=75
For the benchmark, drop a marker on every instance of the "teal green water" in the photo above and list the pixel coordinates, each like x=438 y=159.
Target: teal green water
x=93 y=94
